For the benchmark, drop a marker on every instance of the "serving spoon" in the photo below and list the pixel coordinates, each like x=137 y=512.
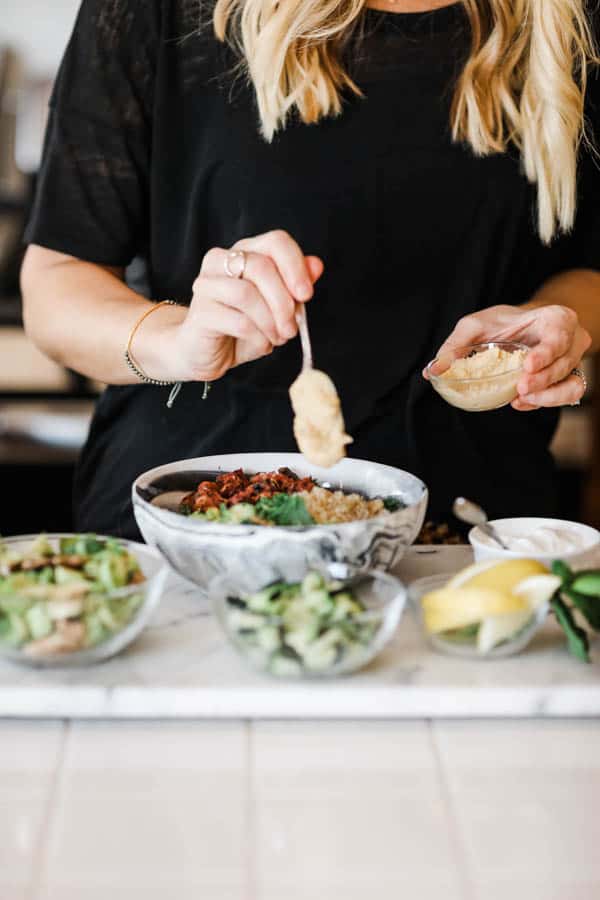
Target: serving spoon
x=302 y=322
x=471 y=513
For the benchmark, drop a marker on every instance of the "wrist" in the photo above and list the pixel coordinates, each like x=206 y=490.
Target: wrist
x=154 y=346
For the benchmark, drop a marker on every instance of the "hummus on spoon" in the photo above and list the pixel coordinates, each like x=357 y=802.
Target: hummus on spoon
x=318 y=423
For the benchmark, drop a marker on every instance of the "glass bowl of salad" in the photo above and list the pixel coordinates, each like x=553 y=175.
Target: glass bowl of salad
x=74 y=599
x=327 y=623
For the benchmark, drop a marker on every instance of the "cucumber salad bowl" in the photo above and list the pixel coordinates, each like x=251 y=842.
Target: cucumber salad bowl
x=73 y=599
x=329 y=623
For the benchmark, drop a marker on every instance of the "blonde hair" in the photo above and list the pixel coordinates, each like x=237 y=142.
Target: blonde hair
x=523 y=83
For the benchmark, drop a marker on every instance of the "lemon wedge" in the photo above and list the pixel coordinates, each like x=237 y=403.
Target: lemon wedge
x=503 y=576
x=537 y=589
x=449 y=608
x=499 y=597
x=496 y=629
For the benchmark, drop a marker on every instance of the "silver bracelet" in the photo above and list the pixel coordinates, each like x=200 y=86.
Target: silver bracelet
x=142 y=375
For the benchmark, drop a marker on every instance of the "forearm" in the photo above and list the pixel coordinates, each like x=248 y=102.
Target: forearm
x=579 y=289
x=81 y=314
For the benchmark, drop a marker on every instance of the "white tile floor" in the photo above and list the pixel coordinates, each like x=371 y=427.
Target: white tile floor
x=300 y=811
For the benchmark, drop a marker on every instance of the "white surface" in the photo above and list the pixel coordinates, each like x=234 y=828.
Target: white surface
x=182 y=667
x=300 y=810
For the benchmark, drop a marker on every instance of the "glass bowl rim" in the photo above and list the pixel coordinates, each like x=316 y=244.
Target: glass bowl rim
x=516 y=345
x=399 y=597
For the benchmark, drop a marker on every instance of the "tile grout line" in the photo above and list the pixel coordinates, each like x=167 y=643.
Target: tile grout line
x=41 y=850
x=456 y=837
x=250 y=800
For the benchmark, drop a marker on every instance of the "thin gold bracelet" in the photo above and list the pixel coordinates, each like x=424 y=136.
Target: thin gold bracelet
x=128 y=354
x=140 y=373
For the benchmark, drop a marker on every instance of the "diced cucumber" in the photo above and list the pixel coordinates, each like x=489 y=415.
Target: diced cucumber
x=41 y=547
x=106 y=617
x=268 y=637
x=18 y=632
x=312 y=581
x=12 y=603
x=262 y=601
x=65 y=575
x=38 y=621
x=239 y=620
x=300 y=637
x=320 y=601
x=285 y=664
x=345 y=605
x=323 y=653
x=81 y=545
x=312 y=624
x=114 y=571
x=94 y=630
x=46 y=575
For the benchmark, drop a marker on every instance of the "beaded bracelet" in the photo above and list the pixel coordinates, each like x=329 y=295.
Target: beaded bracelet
x=140 y=373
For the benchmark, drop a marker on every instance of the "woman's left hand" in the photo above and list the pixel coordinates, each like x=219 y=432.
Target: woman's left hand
x=557 y=340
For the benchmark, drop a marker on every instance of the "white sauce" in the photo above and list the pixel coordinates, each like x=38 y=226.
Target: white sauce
x=542 y=539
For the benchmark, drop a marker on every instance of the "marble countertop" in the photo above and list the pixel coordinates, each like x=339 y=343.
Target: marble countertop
x=182 y=667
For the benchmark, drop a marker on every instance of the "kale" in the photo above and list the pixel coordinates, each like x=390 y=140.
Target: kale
x=284 y=509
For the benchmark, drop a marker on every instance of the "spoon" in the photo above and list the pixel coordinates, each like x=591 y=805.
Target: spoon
x=472 y=514
x=302 y=322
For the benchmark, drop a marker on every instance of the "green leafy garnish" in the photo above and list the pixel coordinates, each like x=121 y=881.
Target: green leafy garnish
x=589 y=607
x=284 y=509
x=577 y=639
x=563 y=571
x=587 y=583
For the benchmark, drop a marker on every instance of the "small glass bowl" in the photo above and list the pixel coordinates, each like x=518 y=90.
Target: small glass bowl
x=154 y=568
x=383 y=596
x=468 y=650
x=476 y=394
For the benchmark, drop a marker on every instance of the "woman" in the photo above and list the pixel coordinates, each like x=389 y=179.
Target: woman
x=412 y=164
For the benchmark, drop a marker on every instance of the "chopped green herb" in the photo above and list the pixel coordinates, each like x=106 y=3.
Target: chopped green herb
x=284 y=509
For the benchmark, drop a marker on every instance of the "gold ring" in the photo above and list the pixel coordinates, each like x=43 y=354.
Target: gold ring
x=579 y=373
x=235 y=263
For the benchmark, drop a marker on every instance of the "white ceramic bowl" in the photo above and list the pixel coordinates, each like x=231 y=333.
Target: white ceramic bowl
x=254 y=555
x=155 y=570
x=484 y=548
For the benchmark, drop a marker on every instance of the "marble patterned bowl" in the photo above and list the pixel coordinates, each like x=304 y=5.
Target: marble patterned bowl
x=253 y=555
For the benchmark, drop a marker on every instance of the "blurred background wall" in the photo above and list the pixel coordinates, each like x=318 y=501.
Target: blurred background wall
x=38 y=30
x=45 y=410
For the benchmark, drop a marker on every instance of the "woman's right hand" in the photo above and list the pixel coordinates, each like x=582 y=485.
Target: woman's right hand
x=233 y=321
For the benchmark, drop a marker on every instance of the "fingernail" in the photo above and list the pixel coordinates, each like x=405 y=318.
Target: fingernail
x=304 y=290
x=530 y=398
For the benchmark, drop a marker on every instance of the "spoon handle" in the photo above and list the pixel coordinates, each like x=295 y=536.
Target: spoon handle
x=491 y=532
x=302 y=322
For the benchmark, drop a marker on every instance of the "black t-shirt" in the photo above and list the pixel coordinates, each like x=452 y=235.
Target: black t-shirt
x=153 y=151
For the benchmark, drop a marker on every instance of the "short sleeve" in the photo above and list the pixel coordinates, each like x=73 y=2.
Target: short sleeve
x=92 y=194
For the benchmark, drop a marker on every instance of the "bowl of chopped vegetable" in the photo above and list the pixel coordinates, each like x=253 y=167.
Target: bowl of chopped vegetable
x=73 y=599
x=253 y=515
x=325 y=624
